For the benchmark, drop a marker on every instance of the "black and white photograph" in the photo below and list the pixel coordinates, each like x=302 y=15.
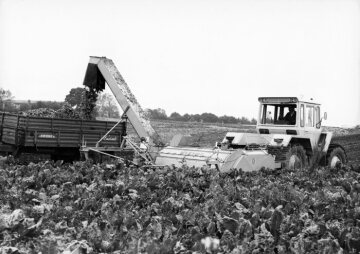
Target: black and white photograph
x=184 y=127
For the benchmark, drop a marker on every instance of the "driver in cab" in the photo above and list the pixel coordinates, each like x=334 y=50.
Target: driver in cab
x=290 y=117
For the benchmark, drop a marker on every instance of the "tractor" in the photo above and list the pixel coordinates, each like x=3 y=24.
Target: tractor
x=289 y=135
x=296 y=141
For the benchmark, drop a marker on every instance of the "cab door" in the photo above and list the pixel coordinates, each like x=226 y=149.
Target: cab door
x=311 y=122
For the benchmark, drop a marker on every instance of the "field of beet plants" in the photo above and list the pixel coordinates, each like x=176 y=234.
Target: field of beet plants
x=81 y=207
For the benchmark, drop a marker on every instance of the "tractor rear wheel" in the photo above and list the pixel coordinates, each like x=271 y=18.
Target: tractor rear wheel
x=296 y=158
x=336 y=158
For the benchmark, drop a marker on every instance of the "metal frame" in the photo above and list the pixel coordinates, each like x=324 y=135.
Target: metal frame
x=107 y=133
x=106 y=72
x=145 y=155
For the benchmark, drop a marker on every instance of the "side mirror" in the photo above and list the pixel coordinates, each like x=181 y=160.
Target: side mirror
x=325 y=115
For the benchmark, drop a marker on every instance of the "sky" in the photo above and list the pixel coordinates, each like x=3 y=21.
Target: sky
x=189 y=56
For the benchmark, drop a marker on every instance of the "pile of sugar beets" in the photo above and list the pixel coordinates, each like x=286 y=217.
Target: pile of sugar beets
x=81 y=207
x=85 y=111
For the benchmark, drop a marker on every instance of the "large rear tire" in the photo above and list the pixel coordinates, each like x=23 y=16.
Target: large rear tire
x=296 y=158
x=337 y=158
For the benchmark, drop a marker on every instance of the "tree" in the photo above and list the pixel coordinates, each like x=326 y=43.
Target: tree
x=244 y=120
x=5 y=100
x=75 y=96
x=228 y=119
x=187 y=117
x=176 y=116
x=5 y=94
x=106 y=106
x=158 y=114
x=196 y=118
x=209 y=118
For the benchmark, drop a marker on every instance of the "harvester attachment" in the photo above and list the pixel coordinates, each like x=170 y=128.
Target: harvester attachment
x=101 y=70
x=248 y=160
x=224 y=160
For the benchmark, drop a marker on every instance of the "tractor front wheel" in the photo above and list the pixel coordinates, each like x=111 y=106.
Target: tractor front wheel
x=336 y=158
x=296 y=158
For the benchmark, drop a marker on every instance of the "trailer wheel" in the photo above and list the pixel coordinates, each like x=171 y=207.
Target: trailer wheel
x=336 y=158
x=296 y=158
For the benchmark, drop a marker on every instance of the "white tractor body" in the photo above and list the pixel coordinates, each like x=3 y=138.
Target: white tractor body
x=268 y=148
x=225 y=159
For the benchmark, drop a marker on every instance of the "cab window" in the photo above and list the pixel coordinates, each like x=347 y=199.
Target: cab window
x=317 y=117
x=302 y=112
x=309 y=119
x=267 y=114
x=278 y=114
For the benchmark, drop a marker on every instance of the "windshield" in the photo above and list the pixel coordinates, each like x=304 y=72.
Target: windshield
x=282 y=114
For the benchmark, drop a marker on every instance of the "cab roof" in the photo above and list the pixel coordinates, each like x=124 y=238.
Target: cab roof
x=283 y=100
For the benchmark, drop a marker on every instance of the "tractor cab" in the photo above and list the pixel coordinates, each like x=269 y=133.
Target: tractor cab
x=288 y=115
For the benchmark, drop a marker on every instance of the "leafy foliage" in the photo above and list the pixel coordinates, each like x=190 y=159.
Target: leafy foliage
x=158 y=114
x=6 y=100
x=50 y=207
x=75 y=96
x=5 y=95
x=88 y=104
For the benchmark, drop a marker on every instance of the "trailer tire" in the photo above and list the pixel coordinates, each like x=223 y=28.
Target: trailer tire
x=296 y=158
x=337 y=158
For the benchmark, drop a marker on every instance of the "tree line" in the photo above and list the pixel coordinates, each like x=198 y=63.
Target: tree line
x=106 y=106
x=160 y=114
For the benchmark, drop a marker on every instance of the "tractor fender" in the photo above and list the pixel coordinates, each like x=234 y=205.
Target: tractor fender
x=327 y=141
x=282 y=140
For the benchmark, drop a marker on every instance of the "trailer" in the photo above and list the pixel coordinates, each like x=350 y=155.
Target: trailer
x=55 y=138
